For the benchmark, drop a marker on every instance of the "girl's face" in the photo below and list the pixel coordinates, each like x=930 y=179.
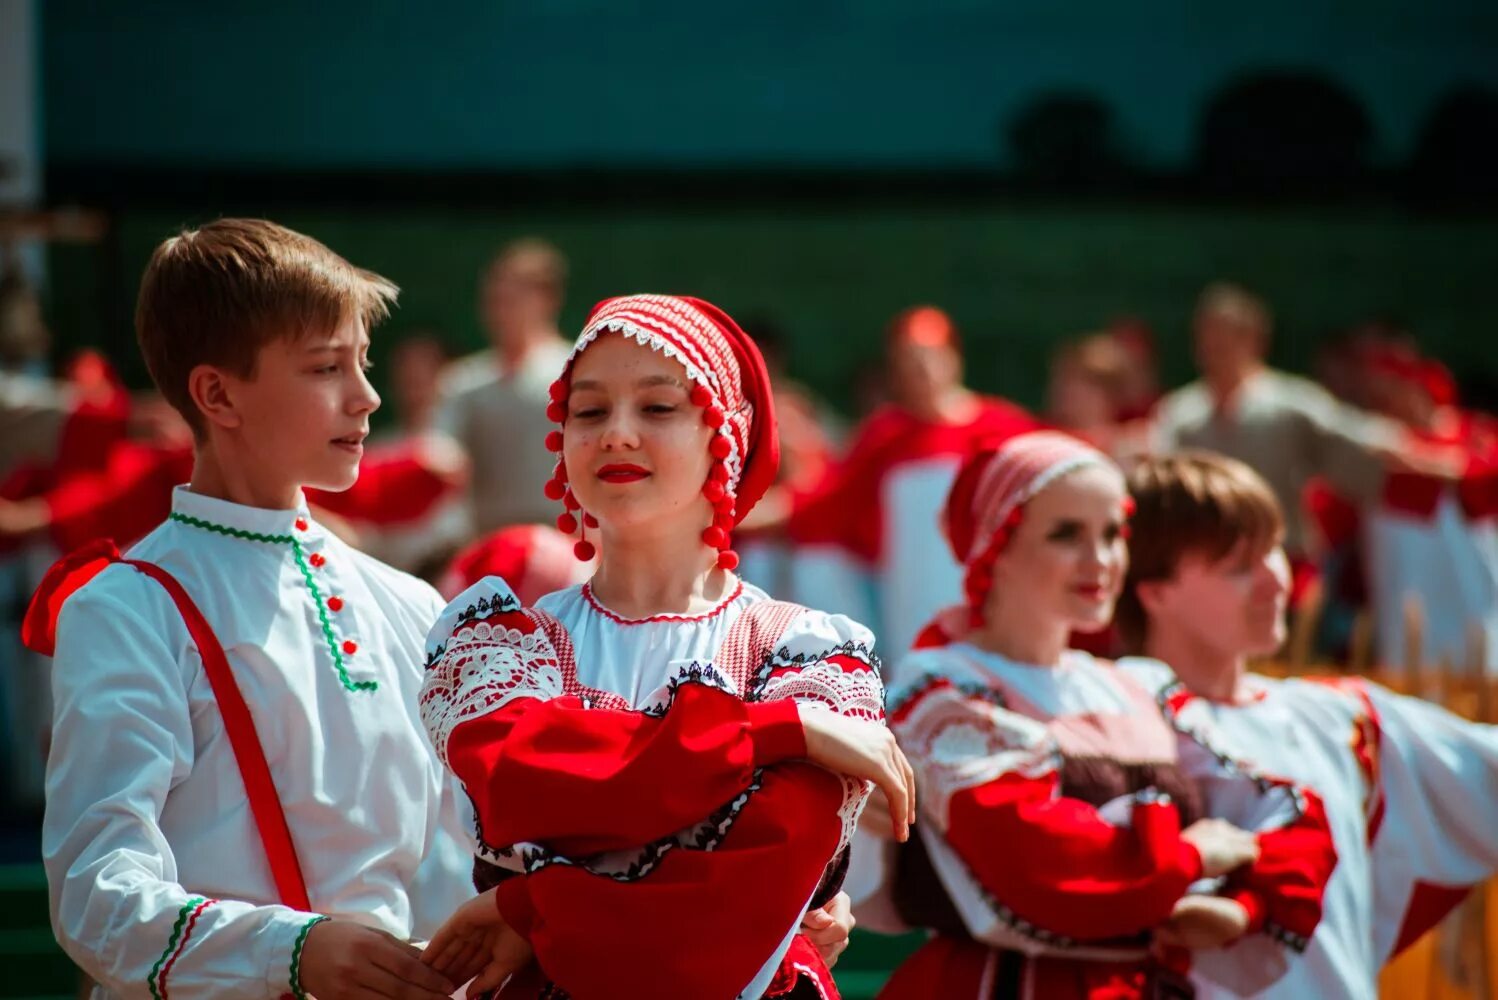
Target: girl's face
x=635 y=446
x=1066 y=560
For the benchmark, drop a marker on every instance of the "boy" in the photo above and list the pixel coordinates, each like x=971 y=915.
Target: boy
x=162 y=873
x=1411 y=790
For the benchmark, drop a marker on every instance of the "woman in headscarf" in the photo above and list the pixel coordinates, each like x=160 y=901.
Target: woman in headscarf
x=1076 y=843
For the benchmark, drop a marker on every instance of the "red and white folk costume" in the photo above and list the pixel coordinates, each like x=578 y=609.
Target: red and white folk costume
x=1411 y=793
x=868 y=538
x=1054 y=798
x=1436 y=540
x=638 y=785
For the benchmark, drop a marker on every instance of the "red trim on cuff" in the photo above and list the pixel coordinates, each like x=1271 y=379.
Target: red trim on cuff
x=1253 y=904
x=513 y=898
x=775 y=730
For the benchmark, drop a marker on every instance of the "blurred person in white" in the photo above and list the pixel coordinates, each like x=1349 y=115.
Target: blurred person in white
x=1411 y=791
x=494 y=402
x=1286 y=428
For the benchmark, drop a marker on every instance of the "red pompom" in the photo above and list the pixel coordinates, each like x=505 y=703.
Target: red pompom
x=566 y=523
x=558 y=391
x=719 y=447
x=719 y=473
x=584 y=550
x=715 y=537
x=589 y=521
x=570 y=502
x=556 y=413
x=728 y=559
x=560 y=472
x=724 y=520
x=713 y=417
x=700 y=396
x=1128 y=506
x=555 y=489
x=713 y=490
x=554 y=441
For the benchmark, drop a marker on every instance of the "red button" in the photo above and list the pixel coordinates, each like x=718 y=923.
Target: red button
x=301 y=524
x=350 y=647
x=316 y=560
x=335 y=604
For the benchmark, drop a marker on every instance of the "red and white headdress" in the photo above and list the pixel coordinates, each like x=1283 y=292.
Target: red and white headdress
x=988 y=496
x=729 y=382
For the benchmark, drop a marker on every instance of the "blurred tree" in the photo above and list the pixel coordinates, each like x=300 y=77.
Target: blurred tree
x=1283 y=131
x=1456 y=154
x=1065 y=140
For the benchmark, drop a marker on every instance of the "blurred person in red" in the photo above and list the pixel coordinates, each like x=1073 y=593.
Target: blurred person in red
x=1432 y=540
x=1095 y=392
x=493 y=403
x=410 y=510
x=534 y=559
x=869 y=536
x=810 y=434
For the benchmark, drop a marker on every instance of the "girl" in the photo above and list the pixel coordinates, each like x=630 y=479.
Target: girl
x=640 y=749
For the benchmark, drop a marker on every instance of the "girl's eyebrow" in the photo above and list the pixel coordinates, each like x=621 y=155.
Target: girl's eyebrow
x=645 y=383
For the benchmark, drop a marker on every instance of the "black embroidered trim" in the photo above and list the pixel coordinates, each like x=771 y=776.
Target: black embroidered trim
x=931 y=677
x=705 y=674
x=1295 y=942
x=705 y=836
x=782 y=658
x=1263 y=784
x=482 y=608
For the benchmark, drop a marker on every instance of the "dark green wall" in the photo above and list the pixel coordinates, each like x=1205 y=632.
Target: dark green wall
x=1016 y=278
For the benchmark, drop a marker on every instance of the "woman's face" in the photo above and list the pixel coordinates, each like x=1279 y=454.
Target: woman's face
x=1066 y=561
x=635 y=446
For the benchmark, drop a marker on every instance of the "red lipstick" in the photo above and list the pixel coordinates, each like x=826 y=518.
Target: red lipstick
x=622 y=473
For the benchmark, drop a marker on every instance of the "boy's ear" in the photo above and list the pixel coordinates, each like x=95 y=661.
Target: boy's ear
x=1152 y=595
x=213 y=394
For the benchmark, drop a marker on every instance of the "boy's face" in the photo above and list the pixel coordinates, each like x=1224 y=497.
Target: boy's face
x=304 y=414
x=1234 y=605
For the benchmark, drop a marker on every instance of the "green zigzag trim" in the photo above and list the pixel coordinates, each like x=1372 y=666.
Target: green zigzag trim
x=152 y=980
x=296 y=958
x=348 y=683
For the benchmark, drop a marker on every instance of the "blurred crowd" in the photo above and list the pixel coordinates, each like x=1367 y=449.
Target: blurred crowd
x=1393 y=484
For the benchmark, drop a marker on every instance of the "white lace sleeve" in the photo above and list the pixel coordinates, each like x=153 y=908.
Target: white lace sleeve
x=484 y=651
x=827 y=661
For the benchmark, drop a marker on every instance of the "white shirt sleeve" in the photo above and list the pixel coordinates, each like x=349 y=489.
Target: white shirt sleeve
x=122 y=738
x=1438 y=775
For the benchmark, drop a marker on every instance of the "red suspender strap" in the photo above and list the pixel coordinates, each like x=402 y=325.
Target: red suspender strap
x=265 y=804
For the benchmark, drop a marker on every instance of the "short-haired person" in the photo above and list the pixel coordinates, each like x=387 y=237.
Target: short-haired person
x=1411 y=791
x=1074 y=842
x=494 y=402
x=1285 y=427
x=292 y=838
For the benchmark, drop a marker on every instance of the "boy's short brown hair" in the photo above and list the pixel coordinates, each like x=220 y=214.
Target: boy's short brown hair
x=1191 y=503
x=217 y=294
